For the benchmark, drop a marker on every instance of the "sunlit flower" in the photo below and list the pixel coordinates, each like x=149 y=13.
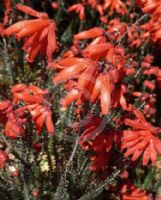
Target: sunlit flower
x=116 y=5
x=15 y=124
x=131 y=192
x=36 y=103
x=142 y=139
x=94 y=76
x=91 y=33
x=39 y=34
x=14 y=115
x=78 y=8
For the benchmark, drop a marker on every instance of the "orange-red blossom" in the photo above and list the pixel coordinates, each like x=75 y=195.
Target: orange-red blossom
x=98 y=139
x=36 y=103
x=78 y=8
x=142 y=139
x=130 y=192
x=90 y=82
x=39 y=34
x=14 y=116
x=94 y=76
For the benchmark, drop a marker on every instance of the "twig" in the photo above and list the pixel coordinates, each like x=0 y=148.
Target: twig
x=72 y=155
x=128 y=28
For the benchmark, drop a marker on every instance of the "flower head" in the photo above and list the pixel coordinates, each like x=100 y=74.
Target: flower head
x=36 y=104
x=78 y=8
x=95 y=74
x=7 y=4
x=3 y=159
x=130 y=191
x=39 y=34
x=33 y=100
x=142 y=139
x=97 y=139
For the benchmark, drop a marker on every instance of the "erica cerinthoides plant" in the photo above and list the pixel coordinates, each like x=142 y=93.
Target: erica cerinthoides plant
x=26 y=98
x=104 y=78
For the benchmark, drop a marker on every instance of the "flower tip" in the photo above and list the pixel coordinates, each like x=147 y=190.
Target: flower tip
x=29 y=59
x=92 y=168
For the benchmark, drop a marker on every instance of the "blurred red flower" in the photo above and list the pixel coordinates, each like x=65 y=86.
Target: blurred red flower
x=78 y=8
x=3 y=159
x=131 y=192
x=116 y=5
x=95 y=75
x=97 y=139
x=7 y=4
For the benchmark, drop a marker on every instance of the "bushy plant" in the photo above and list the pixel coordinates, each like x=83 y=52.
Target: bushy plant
x=80 y=99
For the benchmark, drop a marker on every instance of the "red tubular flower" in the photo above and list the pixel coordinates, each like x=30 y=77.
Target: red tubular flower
x=131 y=192
x=105 y=94
x=97 y=51
x=135 y=40
x=41 y=114
x=39 y=34
x=149 y=84
x=37 y=105
x=92 y=78
x=98 y=139
x=14 y=119
x=116 y=29
x=91 y=33
x=99 y=8
x=29 y=94
x=142 y=139
x=5 y=107
x=149 y=6
x=92 y=3
x=3 y=159
x=78 y=8
x=152 y=29
x=7 y=4
x=55 y=5
x=116 y=5
x=85 y=71
x=15 y=125
x=99 y=161
x=2 y=30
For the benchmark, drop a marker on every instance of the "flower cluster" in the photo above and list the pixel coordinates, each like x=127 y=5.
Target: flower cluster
x=117 y=6
x=152 y=28
x=26 y=98
x=39 y=34
x=142 y=139
x=95 y=76
x=97 y=139
x=105 y=77
x=3 y=159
